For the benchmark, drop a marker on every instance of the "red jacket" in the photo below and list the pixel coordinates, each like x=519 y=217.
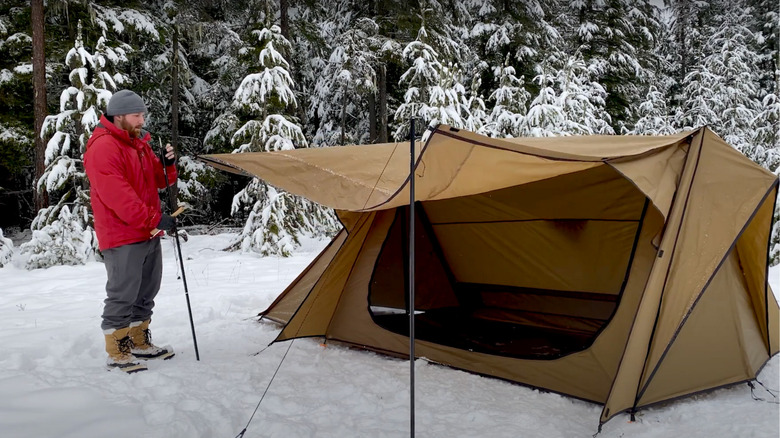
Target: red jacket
x=124 y=174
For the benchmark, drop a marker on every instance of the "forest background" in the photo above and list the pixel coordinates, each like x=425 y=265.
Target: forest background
x=262 y=75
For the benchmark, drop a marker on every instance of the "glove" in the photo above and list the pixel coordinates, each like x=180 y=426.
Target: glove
x=167 y=222
x=167 y=161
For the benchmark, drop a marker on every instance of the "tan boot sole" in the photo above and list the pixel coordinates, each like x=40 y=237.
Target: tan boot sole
x=128 y=368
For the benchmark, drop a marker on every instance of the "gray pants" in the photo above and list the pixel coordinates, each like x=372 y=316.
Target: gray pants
x=134 y=276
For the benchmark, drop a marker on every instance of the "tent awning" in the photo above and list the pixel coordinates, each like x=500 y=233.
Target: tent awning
x=453 y=163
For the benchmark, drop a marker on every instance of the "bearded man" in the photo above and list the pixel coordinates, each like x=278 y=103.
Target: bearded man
x=124 y=175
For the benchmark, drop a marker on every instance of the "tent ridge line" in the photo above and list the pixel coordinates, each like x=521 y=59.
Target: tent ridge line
x=642 y=388
x=574 y=158
x=219 y=163
x=703 y=291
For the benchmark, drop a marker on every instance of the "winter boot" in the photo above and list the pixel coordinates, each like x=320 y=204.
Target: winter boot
x=118 y=345
x=142 y=343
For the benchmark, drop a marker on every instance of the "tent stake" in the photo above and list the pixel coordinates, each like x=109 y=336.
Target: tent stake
x=411 y=278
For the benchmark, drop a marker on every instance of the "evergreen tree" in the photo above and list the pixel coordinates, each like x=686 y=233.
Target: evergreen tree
x=6 y=249
x=510 y=107
x=516 y=34
x=264 y=102
x=689 y=23
x=434 y=93
x=765 y=25
x=568 y=103
x=722 y=92
x=16 y=109
x=655 y=116
x=338 y=100
x=62 y=233
x=764 y=21
x=616 y=40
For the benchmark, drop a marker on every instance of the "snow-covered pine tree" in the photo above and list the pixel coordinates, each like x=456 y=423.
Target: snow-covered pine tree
x=6 y=249
x=655 y=116
x=474 y=102
x=62 y=233
x=434 y=92
x=568 y=103
x=545 y=117
x=265 y=104
x=510 y=103
x=16 y=115
x=688 y=25
x=722 y=91
x=616 y=40
x=514 y=34
x=339 y=99
x=765 y=24
x=423 y=75
x=433 y=83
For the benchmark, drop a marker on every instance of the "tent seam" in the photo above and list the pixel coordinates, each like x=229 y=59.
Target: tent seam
x=701 y=294
x=641 y=388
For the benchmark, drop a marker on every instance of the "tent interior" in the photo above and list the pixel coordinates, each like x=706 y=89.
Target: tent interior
x=531 y=271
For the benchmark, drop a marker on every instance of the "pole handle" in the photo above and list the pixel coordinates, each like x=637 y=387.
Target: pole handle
x=178 y=211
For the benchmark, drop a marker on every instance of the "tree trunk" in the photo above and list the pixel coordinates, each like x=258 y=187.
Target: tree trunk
x=173 y=191
x=284 y=18
x=372 y=118
x=39 y=97
x=343 y=118
x=382 y=83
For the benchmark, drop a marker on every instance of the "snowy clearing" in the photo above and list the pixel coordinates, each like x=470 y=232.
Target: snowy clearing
x=53 y=381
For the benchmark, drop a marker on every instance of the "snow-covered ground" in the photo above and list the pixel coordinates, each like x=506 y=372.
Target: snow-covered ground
x=53 y=382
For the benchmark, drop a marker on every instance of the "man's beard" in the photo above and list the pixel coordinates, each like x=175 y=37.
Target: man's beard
x=133 y=131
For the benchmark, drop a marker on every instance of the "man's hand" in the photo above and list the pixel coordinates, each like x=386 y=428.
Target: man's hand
x=170 y=157
x=167 y=222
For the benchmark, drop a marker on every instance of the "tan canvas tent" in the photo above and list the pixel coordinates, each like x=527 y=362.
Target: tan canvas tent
x=624 y=270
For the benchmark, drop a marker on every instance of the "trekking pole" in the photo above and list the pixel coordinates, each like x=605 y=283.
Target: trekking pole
x=176 y=210
x=411 y=279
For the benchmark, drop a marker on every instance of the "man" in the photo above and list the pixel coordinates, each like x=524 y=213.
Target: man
x=124 y=175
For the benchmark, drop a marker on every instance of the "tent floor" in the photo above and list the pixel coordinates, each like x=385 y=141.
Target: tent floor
x=457 y=328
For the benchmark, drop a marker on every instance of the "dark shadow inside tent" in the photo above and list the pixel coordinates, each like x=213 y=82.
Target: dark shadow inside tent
x=532 y=271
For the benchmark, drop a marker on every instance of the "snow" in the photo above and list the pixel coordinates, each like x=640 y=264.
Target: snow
x=23 y=69
x=54 y=384
x=5 y=76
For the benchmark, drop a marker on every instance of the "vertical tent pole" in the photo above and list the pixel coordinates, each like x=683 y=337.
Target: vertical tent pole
x=411 y=278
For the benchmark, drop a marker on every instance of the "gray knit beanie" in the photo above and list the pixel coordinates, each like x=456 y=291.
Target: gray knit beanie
x=125 y=102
